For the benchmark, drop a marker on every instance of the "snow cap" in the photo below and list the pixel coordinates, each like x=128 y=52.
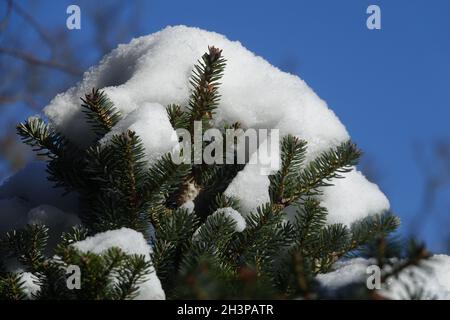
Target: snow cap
x=154 y=70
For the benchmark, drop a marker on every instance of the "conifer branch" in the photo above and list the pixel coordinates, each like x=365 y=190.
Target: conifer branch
x=130 y=275
x=28 y=245
x=205 y=79
x=318 y=173
x=64 y=158
x=100 y=112
x=206 y=243
x=262 y=239
x=177 y=117
x=165 y=176
x=174 y=235
x=369 y=229
x=12 y=287
x=41 y=137
x=309 y=220
x=292 y=156
x=118 y=172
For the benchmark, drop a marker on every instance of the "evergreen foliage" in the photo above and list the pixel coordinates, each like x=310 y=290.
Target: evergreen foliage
x=196 y=254
x=100 y=112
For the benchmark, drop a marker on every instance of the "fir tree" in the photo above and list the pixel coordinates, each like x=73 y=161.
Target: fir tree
x=196 y=255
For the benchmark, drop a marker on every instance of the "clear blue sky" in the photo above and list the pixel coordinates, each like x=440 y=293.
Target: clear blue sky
x=390 y=87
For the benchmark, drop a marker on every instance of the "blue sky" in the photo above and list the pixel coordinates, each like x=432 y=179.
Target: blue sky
x=389 y=86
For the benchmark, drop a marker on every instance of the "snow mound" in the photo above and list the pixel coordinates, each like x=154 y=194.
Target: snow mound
x=131 y=242
x=352 y=199
x=152 y=125
x=233 y=215
x=250 y=187
x=346 y=272
x=32 y=187
x=30 y=285
x=434 y=279
x=28 y=197
x=154 y=70
x=189 y=206
x=16 y=213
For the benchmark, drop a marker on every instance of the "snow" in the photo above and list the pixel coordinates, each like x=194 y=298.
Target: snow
x=16 y=213
x=435 y=281
x=250 y=187
x=150 y=72
x=30 y=286
x=52 y=217
x=153 y=71
x=131 y=242
x=442 y=272
x=346 y=272
x=434 y=278
x=151 y=123
x=230 y=213
x=189 y=206
x=128 y=240
x=233 y=215
x=352 y=198
x=28 y=197
x=32 y=186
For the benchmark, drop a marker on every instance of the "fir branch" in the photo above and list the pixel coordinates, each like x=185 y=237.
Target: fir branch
x=209 y=279
x=41 y=137
x=51 y=280
x=130 y=158
x=177 y=117
x=67 y=172
x=132 y=273
x=369 y=229
x=309 y=221
x=318 y=173
x=205 y=78
x=295 y=275
x=206 y=242
x=28 y=245
x=76 y=233
x=12 y=287
x=262 y=240
x=100 y=112
x=203 y=101
x=292 y=156
x=223 y=201
x=109 y=275
x=156 y=212
x=332 y=240
x=416 y=254
x=174 y=235
x=64 y=159
x=272 y=257
x=162 y=257
x=117 y=193
x=164 y=177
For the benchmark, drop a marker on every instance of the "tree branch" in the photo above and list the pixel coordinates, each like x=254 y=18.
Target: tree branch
x=29 y=58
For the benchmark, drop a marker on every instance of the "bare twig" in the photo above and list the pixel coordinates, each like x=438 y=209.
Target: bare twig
x=5 y=20
x=29 y=58
x=436 y=176
x=33 y=22
x=7 y=99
